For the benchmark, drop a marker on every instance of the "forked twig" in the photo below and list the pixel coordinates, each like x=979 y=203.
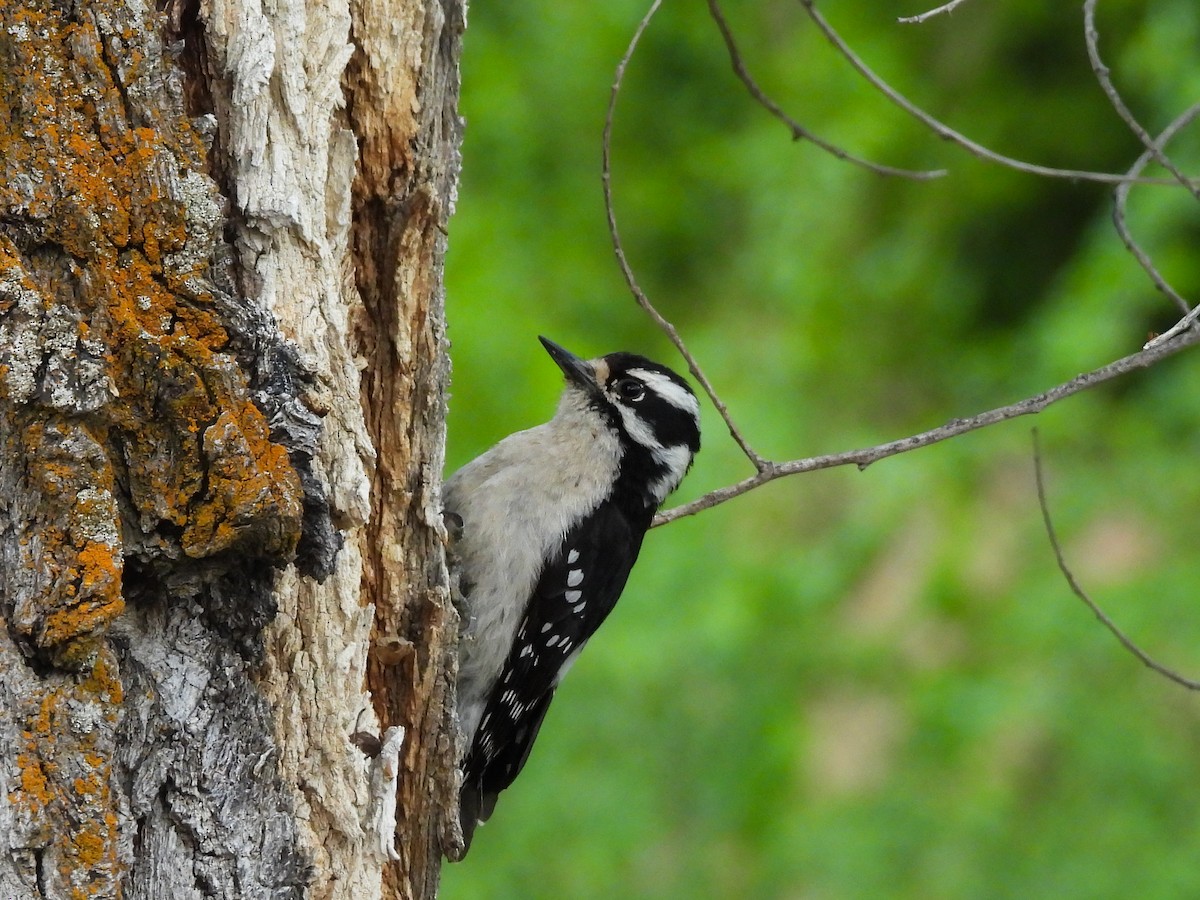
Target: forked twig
x=945 y=131
x=630 y=279
x=1091 y=37
x=1079 y=592
x=799 y=132
x=1154 y=150
x=1121 y=200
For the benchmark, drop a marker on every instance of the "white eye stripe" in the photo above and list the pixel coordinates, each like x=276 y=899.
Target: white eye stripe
x=674 y=393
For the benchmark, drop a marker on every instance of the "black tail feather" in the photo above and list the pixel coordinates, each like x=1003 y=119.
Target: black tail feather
x=485 y=774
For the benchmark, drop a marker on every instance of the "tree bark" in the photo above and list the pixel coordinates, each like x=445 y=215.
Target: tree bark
x=228 y=643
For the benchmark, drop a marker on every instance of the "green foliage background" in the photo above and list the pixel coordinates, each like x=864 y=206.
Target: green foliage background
x=852 y=684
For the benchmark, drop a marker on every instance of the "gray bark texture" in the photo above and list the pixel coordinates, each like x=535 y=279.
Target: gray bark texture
x=227 y=653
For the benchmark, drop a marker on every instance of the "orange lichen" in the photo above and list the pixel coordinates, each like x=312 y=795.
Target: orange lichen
x=104 y=682
x=250 y=480
x=35 y=787
x=176 y=420
x=76 y=621
x=98 y=565
x=64 y=786
x=77 y=552
x=92 y=844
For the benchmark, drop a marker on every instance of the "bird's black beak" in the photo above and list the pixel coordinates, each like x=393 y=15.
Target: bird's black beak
x=578 y=371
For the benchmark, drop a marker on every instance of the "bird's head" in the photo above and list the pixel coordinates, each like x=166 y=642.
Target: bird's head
x=652 y=410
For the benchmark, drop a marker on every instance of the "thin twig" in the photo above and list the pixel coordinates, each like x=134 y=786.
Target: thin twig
x=1121 y=199
x=863 y=458
x=1154 y=150
x=630 y=279
x=799 y=132
x=1091 y=38
x=1079 y=592
x=925 y=16
x=945 y=131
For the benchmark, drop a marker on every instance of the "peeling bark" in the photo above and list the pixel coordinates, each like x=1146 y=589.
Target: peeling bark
x=222 y=397
x=402 y=99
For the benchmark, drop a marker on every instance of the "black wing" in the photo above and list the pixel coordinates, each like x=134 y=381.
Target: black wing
x=573 y=596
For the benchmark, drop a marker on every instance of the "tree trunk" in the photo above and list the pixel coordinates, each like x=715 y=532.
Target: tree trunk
x=227 y=662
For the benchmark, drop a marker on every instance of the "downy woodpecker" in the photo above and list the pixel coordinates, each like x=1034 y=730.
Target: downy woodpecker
x=552 y=522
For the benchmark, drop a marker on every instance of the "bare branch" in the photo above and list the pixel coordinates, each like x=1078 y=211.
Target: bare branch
x=863 y=458
x=1091 y=38
x=799 y=132
x=630 y=279
x=1121 y=196
x=945 y=131
x=1179 y=338
x=1079 y=592
x=925 y=16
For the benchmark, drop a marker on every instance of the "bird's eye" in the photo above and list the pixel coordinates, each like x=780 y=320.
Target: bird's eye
x=631 y=389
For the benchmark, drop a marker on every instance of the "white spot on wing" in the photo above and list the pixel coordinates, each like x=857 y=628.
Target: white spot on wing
x=579 y=608
x=574 y=577
x=572 y=556
x=545 y=628
x=572 y=596
x=564 y=468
